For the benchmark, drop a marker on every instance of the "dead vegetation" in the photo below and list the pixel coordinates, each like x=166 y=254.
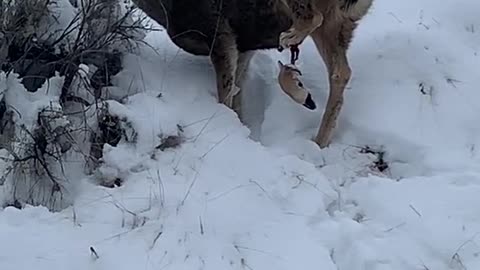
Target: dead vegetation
x=82 y=42
x=379 y=164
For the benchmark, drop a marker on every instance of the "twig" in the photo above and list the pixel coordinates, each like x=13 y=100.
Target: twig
x=94 y=253
x=396 y=227
x=214 y=146
x=201 y=225
x=182 y=203
x=156 y=239
x=415 y=210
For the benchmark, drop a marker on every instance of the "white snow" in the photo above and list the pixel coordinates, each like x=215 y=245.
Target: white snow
x=265 y=197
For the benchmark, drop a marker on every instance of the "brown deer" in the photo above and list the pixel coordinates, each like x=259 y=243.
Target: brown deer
x=230 y=31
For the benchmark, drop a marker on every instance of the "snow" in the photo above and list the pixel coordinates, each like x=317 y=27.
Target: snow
x=265 y=197
x=27 y=103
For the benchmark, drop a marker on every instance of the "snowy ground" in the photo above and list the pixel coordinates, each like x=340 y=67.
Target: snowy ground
x=266 y=197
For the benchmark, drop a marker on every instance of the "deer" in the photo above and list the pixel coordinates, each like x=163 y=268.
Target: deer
x=290 y=83
x=229 y=32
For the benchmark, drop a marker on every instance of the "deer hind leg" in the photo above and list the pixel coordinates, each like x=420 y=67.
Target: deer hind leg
x=243 y=62
x=224 y=57
x=332 y=41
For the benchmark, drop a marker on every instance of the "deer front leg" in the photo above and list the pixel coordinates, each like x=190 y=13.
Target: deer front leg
x=332 y=42
x=224 y=58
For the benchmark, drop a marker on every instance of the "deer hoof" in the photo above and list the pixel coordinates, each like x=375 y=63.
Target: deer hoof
x=309 y=103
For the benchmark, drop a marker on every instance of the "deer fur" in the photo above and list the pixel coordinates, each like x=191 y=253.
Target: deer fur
x=230 y=31
x=293 y=87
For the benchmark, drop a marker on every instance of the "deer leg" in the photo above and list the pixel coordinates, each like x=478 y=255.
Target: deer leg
x=332 y=42
x=244 y=59
x=301 y=28
x=224 y=57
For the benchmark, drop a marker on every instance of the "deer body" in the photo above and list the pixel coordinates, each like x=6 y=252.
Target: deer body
x=230 y=31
